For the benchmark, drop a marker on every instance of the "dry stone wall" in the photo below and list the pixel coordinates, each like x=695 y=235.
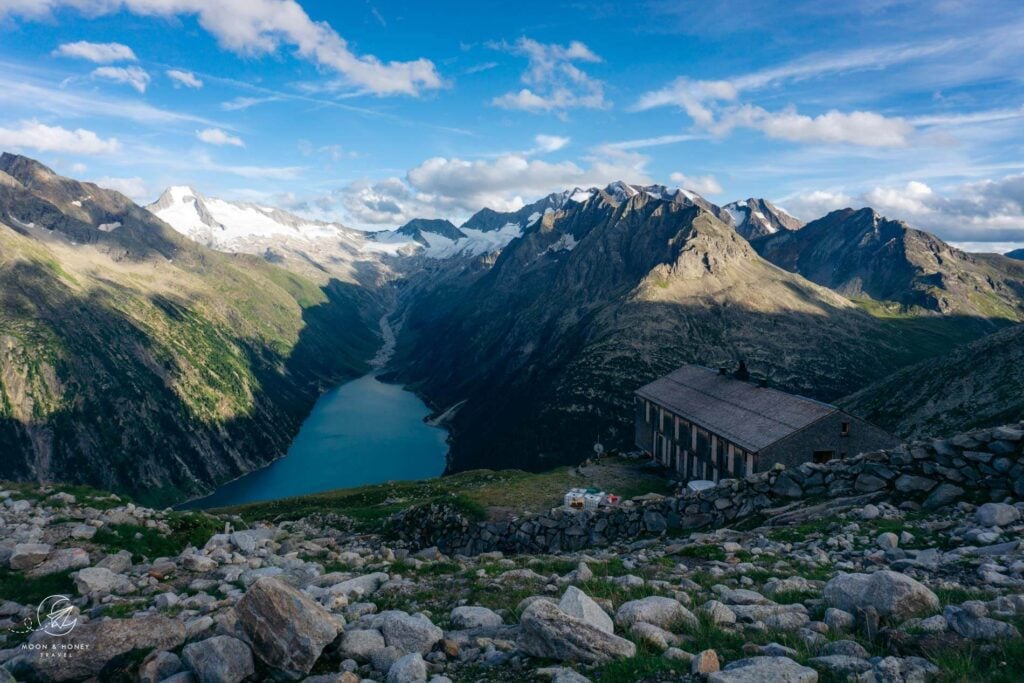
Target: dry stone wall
x=985 y=464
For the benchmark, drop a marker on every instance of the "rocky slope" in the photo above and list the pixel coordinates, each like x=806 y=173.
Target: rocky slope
x=976 y=385
x=755 y=218
x=862 y=254
x=540 y=352
x=882 y=588
x=134 y=359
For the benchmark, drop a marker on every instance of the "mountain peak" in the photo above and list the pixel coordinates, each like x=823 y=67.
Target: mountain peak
x=25 y=170
x=756 y=217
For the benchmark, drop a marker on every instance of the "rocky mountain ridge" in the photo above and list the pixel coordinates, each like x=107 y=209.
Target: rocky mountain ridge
x=538 y=354
x=862 y=254
x=883 y=588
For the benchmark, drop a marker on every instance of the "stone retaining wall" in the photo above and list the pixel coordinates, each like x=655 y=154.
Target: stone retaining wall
x=989 y=463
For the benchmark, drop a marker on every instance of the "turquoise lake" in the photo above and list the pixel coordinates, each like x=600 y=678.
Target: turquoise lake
x=363 y=432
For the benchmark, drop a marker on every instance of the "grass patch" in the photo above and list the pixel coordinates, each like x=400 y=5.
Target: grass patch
x=637 y=668
x=14 y=585
x=187 y=528
x=707 y=552
x=955 y=596
x=477 y=492
x=1000 y=662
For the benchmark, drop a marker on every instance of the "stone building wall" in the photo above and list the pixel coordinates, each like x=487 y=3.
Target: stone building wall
x=987 y=463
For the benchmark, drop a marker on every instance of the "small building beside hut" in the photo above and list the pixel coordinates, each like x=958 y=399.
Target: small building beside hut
x=713 y=424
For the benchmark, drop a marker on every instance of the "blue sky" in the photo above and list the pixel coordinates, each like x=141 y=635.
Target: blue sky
x=375 y=112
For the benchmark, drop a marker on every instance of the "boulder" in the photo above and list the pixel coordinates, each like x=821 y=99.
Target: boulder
x=28 y=555
x=655 y=637
x=408 y=632
x=660 y=611
x=762 y=669
x=941 y=496
x=473 y=617
x=361 y=644
x=705 y=662
x=288 y=630
x=159 y=665
x=408 y=669
x=61 y=560
x=578 y=604
x=97 y=580
x=997 y=514
x=221 y=659
x=548 y=632
x=977 y=627
x=891 y=594
x=100 y=640
x=842 y=667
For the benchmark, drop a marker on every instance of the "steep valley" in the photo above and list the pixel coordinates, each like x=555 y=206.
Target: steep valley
x=134 y=359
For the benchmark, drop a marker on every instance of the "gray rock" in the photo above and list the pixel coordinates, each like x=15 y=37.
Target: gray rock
x=779 y=617
x=119 y=562
x=845 y=648
x=841 y=666
x=654 y=636
x=159 y=665
x=408 y=669
x=61 y=560
x=660 y=611
x=909 y=483
x=901 y=670
x=101 y=641
x=473 y=617
x=887 y=540
x=839 y=620
x=996 y=514
x=893 y=595
x=361 y=644
x=382 y=659
x=97 y=580
x=763 y=669
x=288 y=630
x=28 y=555
x=718 y=613
x=361 y=586
x=941 y=496
x=221 y=659
x=407 y=632
x=546 y=631
x=578 y=604
x=978 y=627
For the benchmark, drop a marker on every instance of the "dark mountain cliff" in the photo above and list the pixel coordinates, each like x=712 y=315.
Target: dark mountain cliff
x=543 y=350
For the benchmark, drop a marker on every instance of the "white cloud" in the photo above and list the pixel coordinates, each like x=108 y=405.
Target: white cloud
x=457 y=187
x=100 y=53
x=987 y=211
x=255 y=27
x=549 y=143
x=554 y=82
x=34 y=135
x=856 y=128
x=133 y=188
x=184 y=78
x=216 y=136
x=79 y=168
x=132 y=75
x=240 y=103
x=701 y=184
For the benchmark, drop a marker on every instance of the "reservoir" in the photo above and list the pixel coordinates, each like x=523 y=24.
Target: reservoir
x=363 y=432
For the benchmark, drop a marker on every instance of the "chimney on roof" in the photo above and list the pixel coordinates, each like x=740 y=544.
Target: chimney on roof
x=742 y=373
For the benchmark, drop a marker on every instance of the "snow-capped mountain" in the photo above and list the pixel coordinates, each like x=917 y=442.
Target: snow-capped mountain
x=246 y=228
x=755 y=218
